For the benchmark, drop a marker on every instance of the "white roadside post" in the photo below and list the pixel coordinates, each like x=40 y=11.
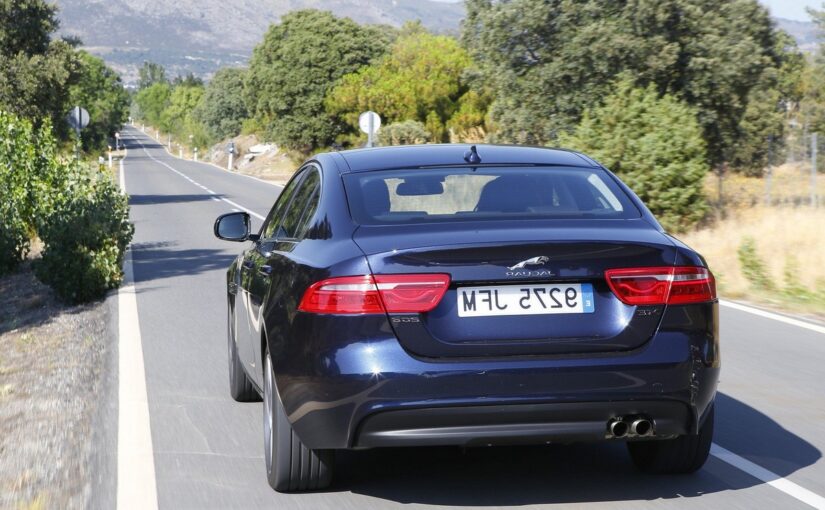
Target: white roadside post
x=230 y=149
x=196 y=153
x=110 y=156
x=169 y=142
x=180 y=151
x=191 y=137
x=370 y=123
x=117 y=141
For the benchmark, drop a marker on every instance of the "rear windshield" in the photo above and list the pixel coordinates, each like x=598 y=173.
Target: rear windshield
x=455 y=194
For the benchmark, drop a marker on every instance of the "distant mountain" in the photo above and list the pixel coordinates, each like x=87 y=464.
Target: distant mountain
x=804 y=32
x=202 y=35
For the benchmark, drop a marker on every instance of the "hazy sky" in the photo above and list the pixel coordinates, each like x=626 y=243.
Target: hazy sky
x=790 y=9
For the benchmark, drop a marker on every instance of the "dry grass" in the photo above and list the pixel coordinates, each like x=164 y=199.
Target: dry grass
x=789 y=237
x=783 y=236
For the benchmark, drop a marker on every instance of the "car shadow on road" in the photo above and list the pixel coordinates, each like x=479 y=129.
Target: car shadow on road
x=565 y=473
x=154 y=261
x=170 y=199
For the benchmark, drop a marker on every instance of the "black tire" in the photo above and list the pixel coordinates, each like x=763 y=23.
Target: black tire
x=290 y=465
x=683 y=455
x=240 y=387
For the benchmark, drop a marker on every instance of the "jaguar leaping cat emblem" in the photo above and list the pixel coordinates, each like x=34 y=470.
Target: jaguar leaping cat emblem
x=535 y=261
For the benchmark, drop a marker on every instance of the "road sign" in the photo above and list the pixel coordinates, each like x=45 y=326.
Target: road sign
x=370 y=123
x=78 y=118
x=230 y=148
x=364 y=122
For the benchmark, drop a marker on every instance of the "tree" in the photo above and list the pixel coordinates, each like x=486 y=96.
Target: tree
x=222 y=109
x=99 y=90
x=182 y=101
x=149 y=74
x=550 y=61
x=294 y=67
x=27 y=26
x=420 y=79
x=152 y=101
x=654 y=144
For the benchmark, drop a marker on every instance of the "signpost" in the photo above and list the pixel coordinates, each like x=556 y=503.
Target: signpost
x=78 y=119
x=117 y=140
x=370 y=123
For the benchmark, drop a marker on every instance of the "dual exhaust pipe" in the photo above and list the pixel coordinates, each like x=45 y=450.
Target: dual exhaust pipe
x=629 y=427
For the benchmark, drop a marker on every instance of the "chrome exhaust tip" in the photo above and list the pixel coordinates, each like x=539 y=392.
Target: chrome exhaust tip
x=641 y=427
x=617 y=428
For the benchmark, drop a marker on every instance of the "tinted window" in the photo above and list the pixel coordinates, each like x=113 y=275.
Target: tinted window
x=454 y=194
x=298 y=214
x=273 y=220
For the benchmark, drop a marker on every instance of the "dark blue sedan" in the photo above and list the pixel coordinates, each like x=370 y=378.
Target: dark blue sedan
x=454 y=295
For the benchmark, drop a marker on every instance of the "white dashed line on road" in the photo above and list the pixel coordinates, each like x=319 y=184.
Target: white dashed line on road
x=215 y=195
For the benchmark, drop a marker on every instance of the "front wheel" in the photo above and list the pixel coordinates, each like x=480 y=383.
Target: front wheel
x=682 y=455
x=290 y=465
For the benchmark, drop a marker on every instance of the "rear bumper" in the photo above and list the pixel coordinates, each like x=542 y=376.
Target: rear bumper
x=515 y=424
x=341 y=392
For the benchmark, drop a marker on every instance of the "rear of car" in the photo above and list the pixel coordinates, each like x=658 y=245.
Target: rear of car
x=527 y=298
x=506 y=304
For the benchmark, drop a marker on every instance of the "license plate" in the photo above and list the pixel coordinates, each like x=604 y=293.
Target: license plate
x=525 y=300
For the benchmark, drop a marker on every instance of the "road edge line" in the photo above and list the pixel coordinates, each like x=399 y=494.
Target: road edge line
x=136 y=483
x=777 y=482
x=775 y=316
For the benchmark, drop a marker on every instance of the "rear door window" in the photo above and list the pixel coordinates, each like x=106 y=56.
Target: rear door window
x=301 y=210
x=456 y=194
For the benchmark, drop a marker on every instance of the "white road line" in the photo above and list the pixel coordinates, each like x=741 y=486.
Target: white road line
x=775 y=316
x=215 y=197
x=769 y=477
x=136 y=485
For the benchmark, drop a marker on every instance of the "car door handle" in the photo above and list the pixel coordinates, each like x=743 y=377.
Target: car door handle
x=265 y=270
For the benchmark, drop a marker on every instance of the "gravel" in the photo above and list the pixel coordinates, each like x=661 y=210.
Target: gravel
x=51 y=366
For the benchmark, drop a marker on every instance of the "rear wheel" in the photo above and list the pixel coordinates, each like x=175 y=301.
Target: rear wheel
x=290 y=465
x=682 y=455
x=240 y=386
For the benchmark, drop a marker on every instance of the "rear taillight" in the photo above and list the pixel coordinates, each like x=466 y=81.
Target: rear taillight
x=662 y=285
x=400 y=293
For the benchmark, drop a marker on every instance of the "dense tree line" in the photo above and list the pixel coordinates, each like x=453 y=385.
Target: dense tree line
x=706 y=85
x=43 y=77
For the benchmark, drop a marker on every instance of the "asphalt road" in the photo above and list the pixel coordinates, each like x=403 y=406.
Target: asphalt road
x=208 y=449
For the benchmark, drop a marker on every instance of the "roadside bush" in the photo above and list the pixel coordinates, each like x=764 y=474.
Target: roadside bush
x=85 y=234
x=26 y=156
x=752 y=265
x=407 y=132
x=654 y=143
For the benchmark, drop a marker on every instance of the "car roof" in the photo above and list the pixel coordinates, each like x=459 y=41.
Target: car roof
x=429 y=155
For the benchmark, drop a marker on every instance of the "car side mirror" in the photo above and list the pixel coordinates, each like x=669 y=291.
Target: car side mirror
x=233 y=227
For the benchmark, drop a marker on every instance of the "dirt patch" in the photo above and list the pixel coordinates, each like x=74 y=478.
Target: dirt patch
x=50 y=366
x=261 y=160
